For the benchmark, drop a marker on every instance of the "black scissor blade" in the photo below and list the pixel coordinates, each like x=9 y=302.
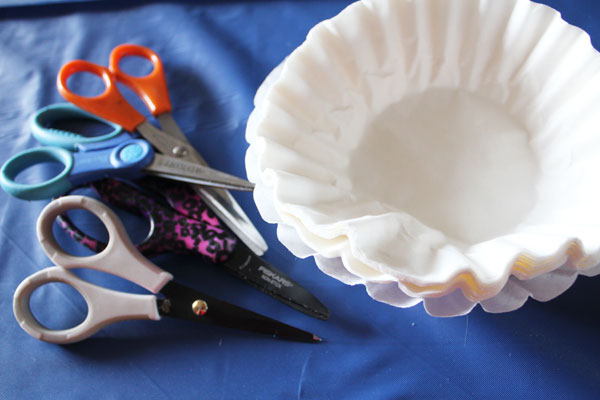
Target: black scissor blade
x=246 y=265
x=187 y=303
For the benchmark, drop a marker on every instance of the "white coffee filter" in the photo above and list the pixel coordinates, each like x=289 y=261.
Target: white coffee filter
x=442 y=151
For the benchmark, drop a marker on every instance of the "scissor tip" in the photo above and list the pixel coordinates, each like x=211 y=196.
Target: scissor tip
x=316 y=338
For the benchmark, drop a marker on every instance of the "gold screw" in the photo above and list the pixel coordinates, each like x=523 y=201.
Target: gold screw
x=199 y=307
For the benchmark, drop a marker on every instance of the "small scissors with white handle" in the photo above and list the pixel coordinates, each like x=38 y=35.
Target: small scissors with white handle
x=106 y=306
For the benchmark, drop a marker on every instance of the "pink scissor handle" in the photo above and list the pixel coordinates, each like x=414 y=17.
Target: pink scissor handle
x=105 y=306
x=110 y=104
x=152 y=88
x=120 y=257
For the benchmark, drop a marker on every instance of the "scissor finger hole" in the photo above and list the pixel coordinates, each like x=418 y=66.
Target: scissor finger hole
x=58 y=306
x=86 y=127
x=40 y=172
x=86 y=84
x=136 y=66
x=86 y=235
x=80 y=232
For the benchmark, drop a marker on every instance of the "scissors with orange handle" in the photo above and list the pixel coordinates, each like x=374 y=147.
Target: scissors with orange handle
x=152 y=89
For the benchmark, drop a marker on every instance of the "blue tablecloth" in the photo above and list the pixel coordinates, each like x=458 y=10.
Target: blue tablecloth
x=216 y=54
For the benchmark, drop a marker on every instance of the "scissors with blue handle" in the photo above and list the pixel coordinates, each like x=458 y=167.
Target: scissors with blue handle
x=120 y=155
x=152 y=90
x=106 y=306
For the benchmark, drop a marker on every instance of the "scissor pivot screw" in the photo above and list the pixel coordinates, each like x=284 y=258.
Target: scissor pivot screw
x=180 y=151
x=199 y=307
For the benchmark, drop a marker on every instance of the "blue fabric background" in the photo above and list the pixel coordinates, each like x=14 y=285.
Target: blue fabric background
x=216 y=54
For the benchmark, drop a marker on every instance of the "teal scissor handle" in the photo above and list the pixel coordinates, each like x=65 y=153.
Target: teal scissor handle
x=41 y=121
x=123 y=156
x=53 y=187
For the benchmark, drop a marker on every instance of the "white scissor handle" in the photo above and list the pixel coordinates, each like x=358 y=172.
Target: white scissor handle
x=105 y=306
x=120 y=257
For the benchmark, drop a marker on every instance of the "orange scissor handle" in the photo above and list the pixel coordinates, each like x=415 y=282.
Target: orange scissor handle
x=110 y=104
x=151 y=88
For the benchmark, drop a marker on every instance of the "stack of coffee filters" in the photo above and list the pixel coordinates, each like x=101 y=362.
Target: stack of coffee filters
x=436 y=151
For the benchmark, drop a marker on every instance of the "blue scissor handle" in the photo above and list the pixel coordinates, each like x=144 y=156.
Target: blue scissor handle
x=41 y=121
x=122 y=156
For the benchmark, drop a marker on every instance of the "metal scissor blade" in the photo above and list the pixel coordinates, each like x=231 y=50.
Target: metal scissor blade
x=232 y=215
x=265 y=277
x=183 y=302
x=169 y=126
x=177 y=169
x=220 y=201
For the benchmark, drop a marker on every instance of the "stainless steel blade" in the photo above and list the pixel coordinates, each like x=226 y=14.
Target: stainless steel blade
x=164 y=142
x=231 y=214
x=169 y=126
x=175 y=168
x=221 y=202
